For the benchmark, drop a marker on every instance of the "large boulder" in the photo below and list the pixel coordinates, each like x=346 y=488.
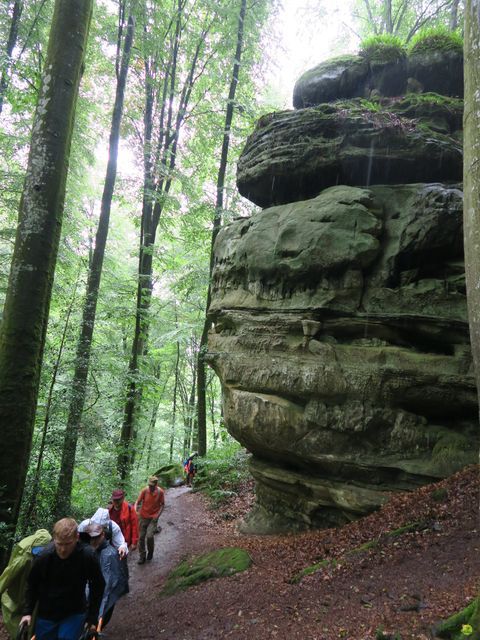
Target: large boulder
x=334 y=79
x=294 y=155
x=438 y=71
x=341 y=340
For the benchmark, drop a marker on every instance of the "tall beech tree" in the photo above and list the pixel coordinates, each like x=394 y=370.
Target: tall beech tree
x=471 y=203
x=217 y=221
x=25 y=316
x=82 y=360
x=170 y=77
x=16 y=8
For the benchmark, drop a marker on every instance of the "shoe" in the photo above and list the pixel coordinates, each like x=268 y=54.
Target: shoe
x=149 y=556
x=141 y=561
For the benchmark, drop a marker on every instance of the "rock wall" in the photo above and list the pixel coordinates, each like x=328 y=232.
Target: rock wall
x=340 y=333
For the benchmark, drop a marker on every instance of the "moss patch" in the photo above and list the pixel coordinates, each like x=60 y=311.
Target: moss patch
x=436 y=39
x=451 y=629
x=383 y=48
x=216 y=564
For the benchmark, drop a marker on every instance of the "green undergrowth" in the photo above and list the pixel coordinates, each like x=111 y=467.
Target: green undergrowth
x=436 y=39
x=366 y=546
x=216 y=564
x=383 y=48
x=462 y=625
x=221 y=474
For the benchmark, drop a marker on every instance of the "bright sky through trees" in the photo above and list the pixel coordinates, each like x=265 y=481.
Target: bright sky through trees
x=308 y=31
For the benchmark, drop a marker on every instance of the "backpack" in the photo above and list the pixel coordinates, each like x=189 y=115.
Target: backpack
x=13 y=581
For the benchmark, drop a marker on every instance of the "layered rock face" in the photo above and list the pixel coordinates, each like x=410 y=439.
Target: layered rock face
x=339 y=314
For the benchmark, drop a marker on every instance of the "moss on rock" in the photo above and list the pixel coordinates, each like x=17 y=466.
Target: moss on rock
x=436 y=39
x=383 y=48
x=216 y=564
x=170 y=475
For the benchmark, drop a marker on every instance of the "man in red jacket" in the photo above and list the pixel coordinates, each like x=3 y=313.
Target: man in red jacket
x=126 y=517
x=152 y=499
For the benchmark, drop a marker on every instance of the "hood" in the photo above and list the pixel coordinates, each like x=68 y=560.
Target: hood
x=39 y=539
x=101 y=517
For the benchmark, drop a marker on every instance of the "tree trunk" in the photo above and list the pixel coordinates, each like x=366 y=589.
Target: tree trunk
x=11 y=42
x=217 y=221
x=27 y=303
x=471 y=172
x=174 y=404
x=471 y=204
x=29 y=510
x=82 y=360
x=454 y=15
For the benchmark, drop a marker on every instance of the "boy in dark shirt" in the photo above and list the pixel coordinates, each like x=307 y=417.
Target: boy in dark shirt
x=57 y=582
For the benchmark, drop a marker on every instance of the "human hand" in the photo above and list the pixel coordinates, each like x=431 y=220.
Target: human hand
x=25 y=620
x=122 y=552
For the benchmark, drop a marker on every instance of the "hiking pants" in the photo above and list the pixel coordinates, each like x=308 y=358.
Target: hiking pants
x=67 y=629
x=148 y=526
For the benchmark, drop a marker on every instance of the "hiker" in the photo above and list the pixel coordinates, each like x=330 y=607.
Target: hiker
x=126 y=517
x=190 y=469
x=115 y=582
x=13 y=581
x=152 y=499
x=57 y=582
x=113 y=532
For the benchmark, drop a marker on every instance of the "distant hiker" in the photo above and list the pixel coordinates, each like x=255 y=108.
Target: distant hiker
x=152 y=499
x=190 y=469
x=57 y=582
x=13 y=581
x=115 y=582
x=126 y=517
x=113 y=533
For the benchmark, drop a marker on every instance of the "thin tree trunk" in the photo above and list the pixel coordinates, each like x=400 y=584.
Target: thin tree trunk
x=174 y=403
x=217 y=221
x=82 y=360
x=27 y=303
x=48 y=408
x=454 y=15
x=388 y=16
x=11 y=42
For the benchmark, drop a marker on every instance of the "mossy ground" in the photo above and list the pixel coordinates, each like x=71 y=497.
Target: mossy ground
x=216 y=564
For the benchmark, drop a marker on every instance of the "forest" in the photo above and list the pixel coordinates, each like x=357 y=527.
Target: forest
x=125 y=134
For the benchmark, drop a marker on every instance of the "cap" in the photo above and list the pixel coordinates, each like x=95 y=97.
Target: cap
x=153 y=480
x=94 y=530
x=118 y=494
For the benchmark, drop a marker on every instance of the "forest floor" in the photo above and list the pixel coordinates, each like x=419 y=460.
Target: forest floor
x=400 y=584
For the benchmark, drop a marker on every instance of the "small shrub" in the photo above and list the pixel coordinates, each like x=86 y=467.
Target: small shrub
x=436 y=39
x=383 y=48
x=221 y=474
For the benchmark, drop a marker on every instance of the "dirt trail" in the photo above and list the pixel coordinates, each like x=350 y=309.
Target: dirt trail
x=183 y=521
x=399 y=583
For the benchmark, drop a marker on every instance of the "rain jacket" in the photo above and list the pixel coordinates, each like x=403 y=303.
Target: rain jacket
x=116 y=584
x=128 y=522
x=13 y=581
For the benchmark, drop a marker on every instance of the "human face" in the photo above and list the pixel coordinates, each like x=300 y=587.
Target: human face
x=65 y=546
x=152 y=487
x=117 y=504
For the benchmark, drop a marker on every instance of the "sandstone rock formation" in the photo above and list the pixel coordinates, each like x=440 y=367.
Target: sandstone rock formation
x=340 y=331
